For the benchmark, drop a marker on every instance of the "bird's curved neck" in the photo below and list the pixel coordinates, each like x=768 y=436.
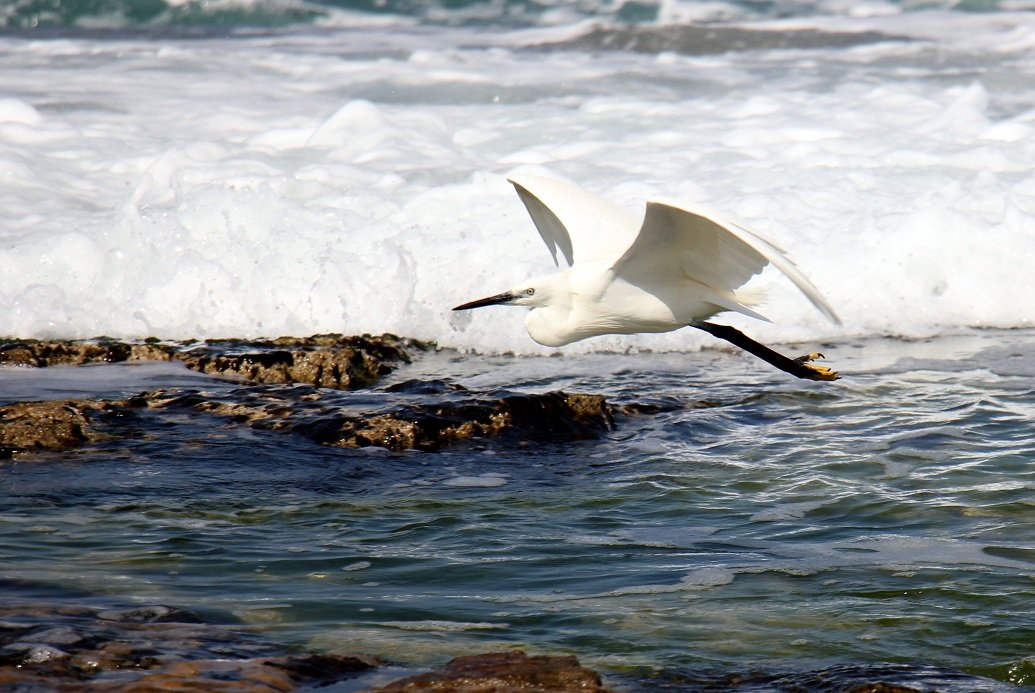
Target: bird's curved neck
x=548 y=325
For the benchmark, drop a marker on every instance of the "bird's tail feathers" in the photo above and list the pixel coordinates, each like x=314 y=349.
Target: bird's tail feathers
x=728 y=300
x=753 y=296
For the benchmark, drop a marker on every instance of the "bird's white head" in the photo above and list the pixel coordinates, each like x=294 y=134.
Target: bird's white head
x=526 y=295
x=550 y=301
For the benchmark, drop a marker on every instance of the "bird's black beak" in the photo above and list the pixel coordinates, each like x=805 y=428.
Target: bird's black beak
x=505 y=297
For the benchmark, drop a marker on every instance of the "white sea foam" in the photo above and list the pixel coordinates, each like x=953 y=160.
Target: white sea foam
x=354 y=180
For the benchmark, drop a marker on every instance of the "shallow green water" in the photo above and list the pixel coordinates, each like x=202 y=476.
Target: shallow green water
x=887 y=517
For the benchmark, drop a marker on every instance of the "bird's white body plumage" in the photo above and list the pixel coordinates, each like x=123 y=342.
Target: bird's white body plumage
x=678 y=265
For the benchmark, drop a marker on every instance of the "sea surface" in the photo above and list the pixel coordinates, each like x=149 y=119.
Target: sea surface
x=253 y=169
x=885 y=519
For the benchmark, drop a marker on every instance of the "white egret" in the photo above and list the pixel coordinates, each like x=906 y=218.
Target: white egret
x=676 y=268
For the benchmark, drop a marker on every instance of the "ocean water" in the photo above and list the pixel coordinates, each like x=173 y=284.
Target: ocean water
x=881 y=521
x=252 y=169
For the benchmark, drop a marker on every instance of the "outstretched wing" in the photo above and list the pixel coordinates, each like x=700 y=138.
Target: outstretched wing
x=676 y=242
x=585 y=227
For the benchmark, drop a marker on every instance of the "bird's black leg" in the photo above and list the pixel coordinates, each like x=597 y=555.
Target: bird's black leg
x=800 y=367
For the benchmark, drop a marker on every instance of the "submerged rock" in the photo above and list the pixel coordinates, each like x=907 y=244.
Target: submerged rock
x=504 y=672
x=294 y=387
x=156 y=648
x=48 y=645
x=552 y=416
x=325 y=360
x=260 y=675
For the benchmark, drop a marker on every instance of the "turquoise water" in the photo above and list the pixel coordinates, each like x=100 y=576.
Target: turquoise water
x=793 y=526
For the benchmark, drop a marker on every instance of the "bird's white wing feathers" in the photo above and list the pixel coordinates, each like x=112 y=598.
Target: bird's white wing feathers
x=678 y=242
x=674 y=242
x=584 y=226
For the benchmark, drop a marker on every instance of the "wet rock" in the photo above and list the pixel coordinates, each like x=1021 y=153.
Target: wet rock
x=343 y=363
x=265 y=675
x=60 y=647
x=326 y=360
x=503 y=672
x=52 y=425
x=41 y=354
x=289 y=375
x=57 y=647
x=150 y=614
x=318 y=415
x=552 y=416
x=425 y=387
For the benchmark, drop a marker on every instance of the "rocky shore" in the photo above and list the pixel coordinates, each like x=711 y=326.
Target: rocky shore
x=306 y=387
x=284 y=385
x=288 y=385
x=325 y=360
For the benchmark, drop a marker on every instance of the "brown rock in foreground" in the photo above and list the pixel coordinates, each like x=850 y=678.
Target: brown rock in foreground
x=325 y=360
x=49 y=646
x=51 y=425
x=504 y=672
x=68 y=647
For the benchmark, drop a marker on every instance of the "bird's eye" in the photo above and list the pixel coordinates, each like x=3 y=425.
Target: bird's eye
x=529 y=292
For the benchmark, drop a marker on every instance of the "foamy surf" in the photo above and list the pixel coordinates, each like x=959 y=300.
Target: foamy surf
x=283 y=184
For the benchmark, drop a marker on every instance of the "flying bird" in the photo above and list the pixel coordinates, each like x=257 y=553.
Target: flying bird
x=675 y=268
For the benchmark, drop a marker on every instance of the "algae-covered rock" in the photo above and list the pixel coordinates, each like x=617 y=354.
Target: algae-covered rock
x=344 y=362
x=551 y=416
x=50 y=425
x=315 y=414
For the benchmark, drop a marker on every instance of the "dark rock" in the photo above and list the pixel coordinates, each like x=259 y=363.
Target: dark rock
x=58 y=647
x=421 y=415
x=324 y=360
x=425 y=387
x=52 y=425
x=150 y=614
x=317 y=415
x=658 y=407
x=262 y=675
x=504 y=672
x=553 y=416
x=41 y=354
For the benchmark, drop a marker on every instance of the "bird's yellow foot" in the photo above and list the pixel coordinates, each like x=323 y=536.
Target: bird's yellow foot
x=811 y=371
